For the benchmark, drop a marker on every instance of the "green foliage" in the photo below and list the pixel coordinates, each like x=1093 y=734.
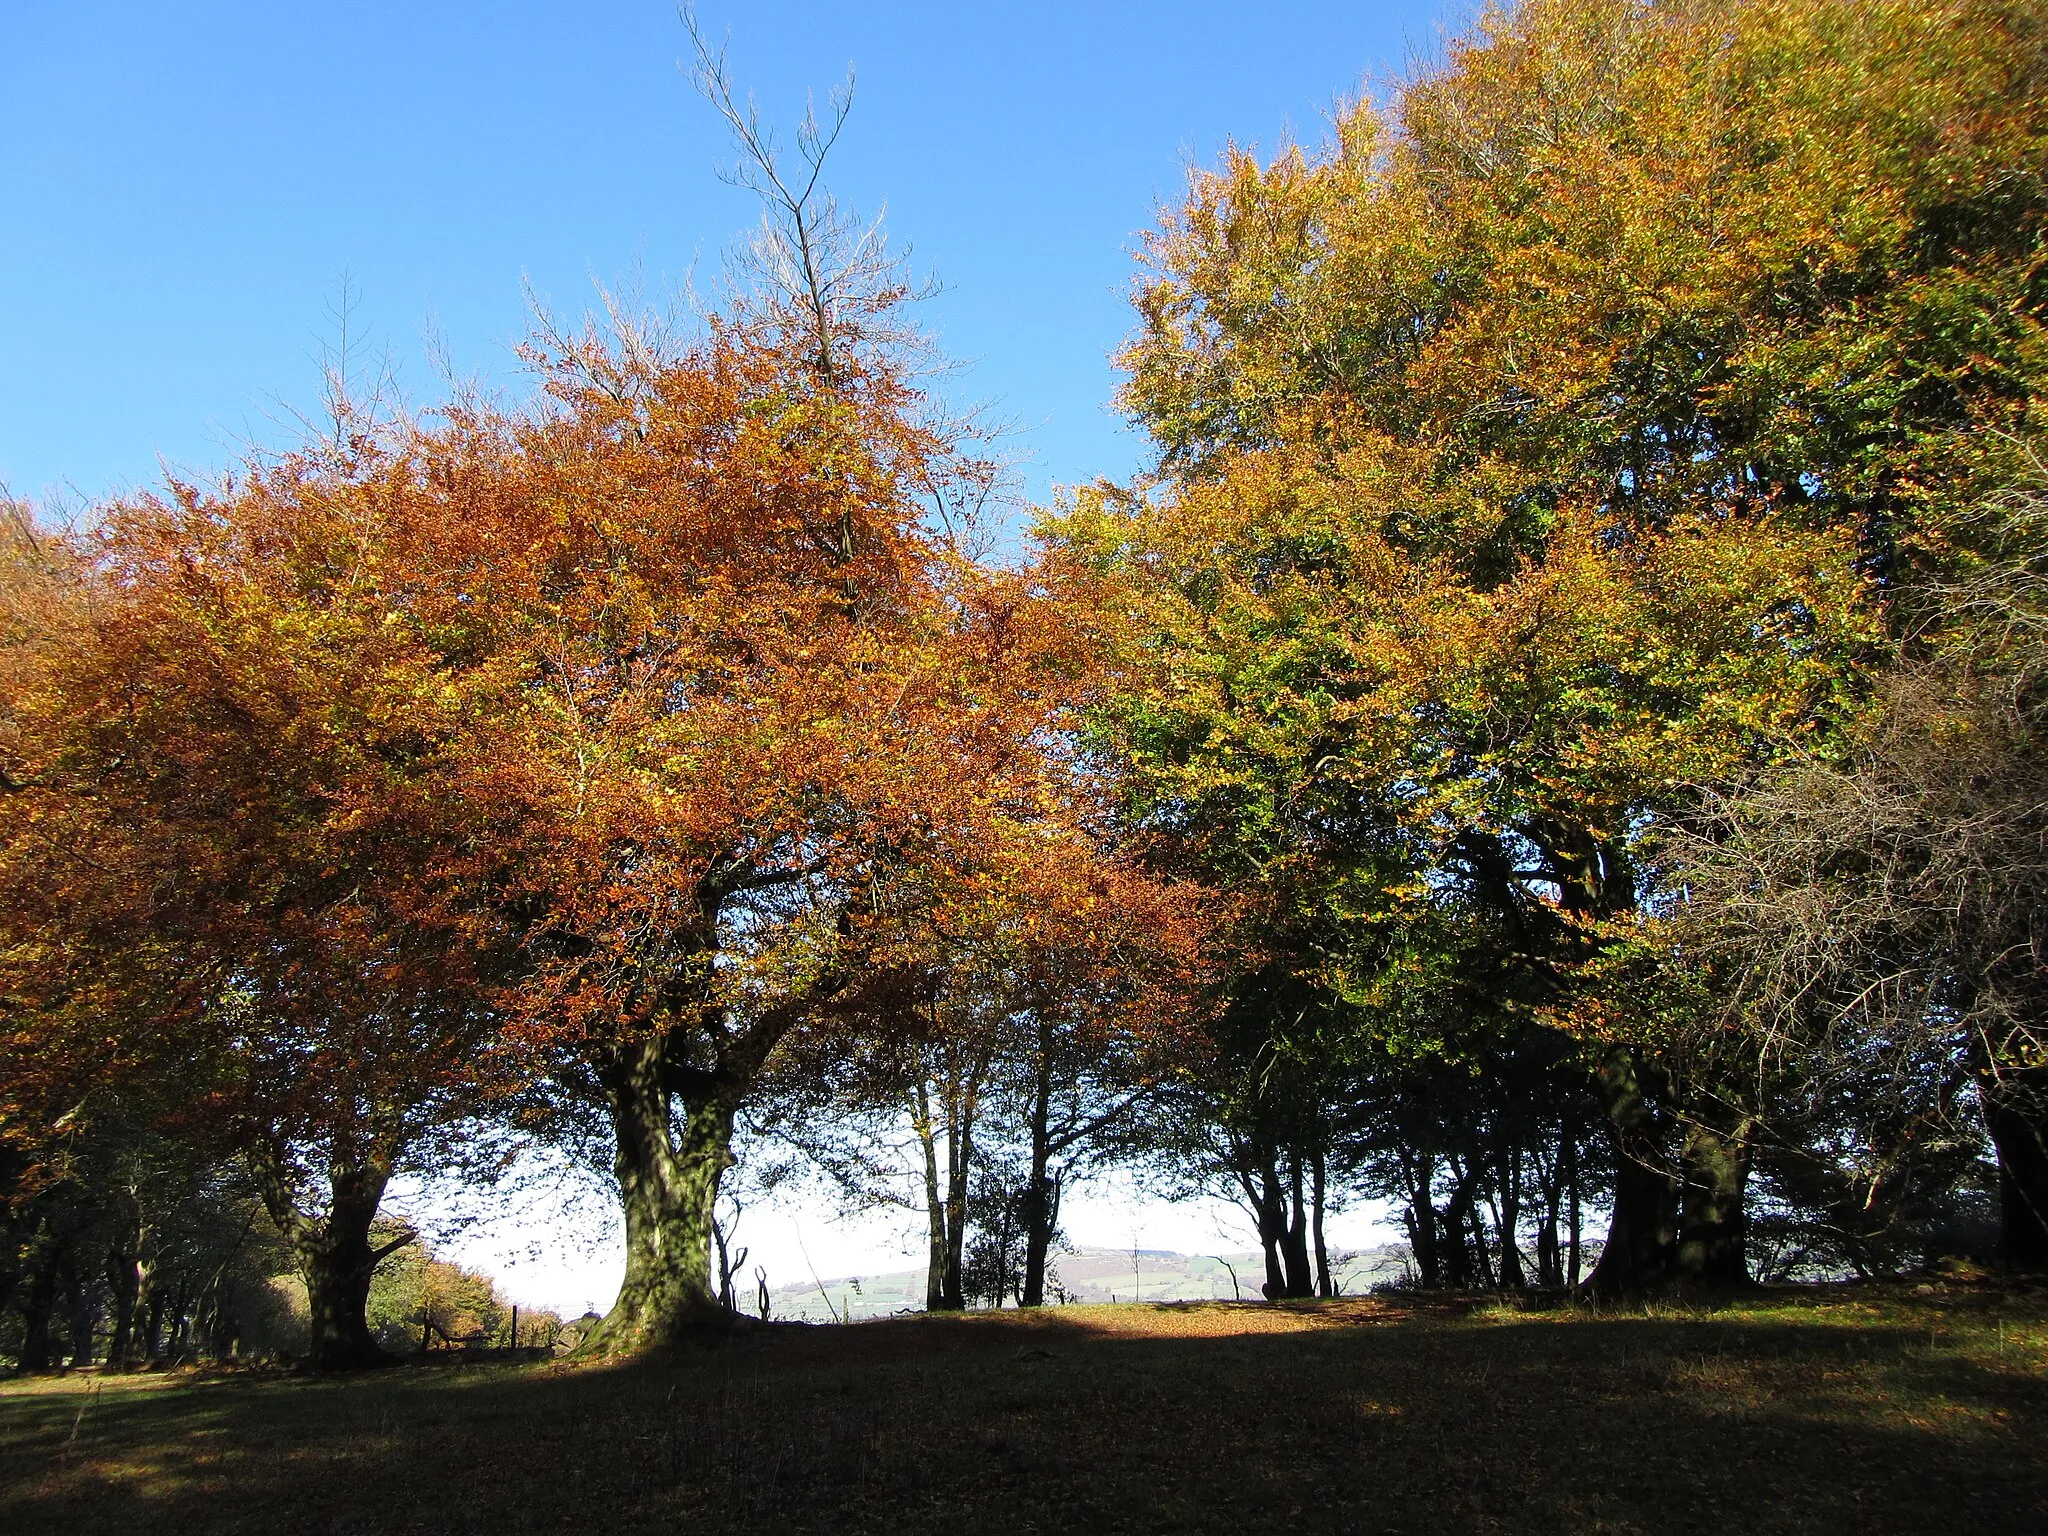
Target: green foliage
x=1572 y=437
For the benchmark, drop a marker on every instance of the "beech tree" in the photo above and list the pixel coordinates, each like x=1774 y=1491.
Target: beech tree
x=742 y=721
x=1546 y=449
x=222 y=891
x=1879 y=913
x=740 y=728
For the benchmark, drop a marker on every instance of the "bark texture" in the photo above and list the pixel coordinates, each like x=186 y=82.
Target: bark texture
x=668 y=1166
x=672 y=1095
x=332 y=1249
x=1642 y=1235
x=1713 y=1226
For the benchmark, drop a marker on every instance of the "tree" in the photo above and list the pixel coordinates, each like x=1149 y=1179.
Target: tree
x=1059 y=985
x=224 y=880
x=1102 y=993
x=1879 y=914
x=740 y=729
x=1546 y=449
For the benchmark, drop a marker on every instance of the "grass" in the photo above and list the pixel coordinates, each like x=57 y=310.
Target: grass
x=1867 y=1411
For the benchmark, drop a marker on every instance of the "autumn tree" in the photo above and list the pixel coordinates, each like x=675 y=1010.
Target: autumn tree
x=739 y=719
x=738 y=726
x=1547 y=447
x=1055 y=986
x=1117 y=1003
x=1097 y=990
x=222 y=884
x=1877 y=915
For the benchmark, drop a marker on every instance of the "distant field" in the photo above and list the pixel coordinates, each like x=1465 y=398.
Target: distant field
x=1089 y=1276
x=1851 y=1410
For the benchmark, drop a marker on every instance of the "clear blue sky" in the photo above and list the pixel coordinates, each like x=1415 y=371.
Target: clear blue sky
x=183 y=185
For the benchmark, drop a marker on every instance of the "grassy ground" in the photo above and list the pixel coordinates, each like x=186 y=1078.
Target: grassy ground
x=1853 y=1411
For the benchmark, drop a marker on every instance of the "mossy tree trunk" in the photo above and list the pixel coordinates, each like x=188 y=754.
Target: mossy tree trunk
x=1713 y=1225
x=1642 y=1233
x=668 y=1160
x=672 y=1095
x=1679 y=1196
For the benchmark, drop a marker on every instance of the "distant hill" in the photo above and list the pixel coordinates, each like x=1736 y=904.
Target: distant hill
x=1089 y=1275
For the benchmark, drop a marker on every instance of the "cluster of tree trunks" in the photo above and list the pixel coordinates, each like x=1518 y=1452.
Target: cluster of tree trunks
x=75 y=1271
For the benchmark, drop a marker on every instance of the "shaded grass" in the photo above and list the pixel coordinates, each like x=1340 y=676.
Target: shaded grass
x=1865 y=1411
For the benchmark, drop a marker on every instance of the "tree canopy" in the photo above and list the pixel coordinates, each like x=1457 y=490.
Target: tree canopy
x=1556 y=731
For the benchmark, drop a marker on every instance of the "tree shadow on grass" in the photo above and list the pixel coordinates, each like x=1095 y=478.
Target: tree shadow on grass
x=1058 y=1424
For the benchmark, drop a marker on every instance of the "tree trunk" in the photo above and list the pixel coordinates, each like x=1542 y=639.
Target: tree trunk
x=1712 y=1224
x=332 y=1250
x=1456 y=1250
x=1041 y=1193
x=938 y=1249
x=960 y=1153
x=1642 y=1237
x=1008 y=1279
x=2016 y=1116
x=945 y=1190
x=153 y=1333
x=1038 y=1243
x=40 y=1307
x=1261 y=1182
x=80 y=1313
x=668 y=1173
x=1509 y=1272
x=1573 y=1221
x=1420 y=1220
x=181 y=1323
x=1482 y=1253
x=124 y=1285
x=1549 y=1251
x=1300 y=1278
x=668 y=1188
x=336 y=1261
x=1318 y=1193
x=1421 y=1225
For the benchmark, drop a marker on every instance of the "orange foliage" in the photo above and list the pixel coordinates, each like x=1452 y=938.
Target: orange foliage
x=606 y=742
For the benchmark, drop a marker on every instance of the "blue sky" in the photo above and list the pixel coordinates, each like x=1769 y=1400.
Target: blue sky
x=184 y=185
